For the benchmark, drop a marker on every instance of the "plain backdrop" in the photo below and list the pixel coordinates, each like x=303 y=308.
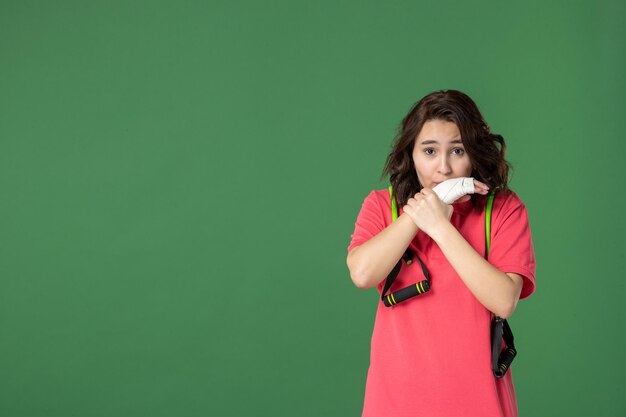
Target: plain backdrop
x=180 y=180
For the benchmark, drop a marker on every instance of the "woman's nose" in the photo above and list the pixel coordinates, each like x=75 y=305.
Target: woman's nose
x=444 y=166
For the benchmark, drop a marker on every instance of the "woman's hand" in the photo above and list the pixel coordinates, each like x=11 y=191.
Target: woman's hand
x=427 y=211
x=451 y=190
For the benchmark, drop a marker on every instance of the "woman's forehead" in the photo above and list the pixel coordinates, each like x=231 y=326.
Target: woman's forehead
x=439 y=132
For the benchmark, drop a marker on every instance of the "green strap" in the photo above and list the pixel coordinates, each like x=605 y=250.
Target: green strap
x=488 y=225
x=394 y=205
x=394 y=215
x=488 y=222
x=490 y=197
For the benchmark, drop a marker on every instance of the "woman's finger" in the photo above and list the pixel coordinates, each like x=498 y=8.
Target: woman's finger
x=430 y=194
x=480 y=185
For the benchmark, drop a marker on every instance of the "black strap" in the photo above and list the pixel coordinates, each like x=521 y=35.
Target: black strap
x=407 y=292
x=501 y=358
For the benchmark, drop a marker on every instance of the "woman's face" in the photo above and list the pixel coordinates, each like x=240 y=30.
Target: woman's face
x=439 y=155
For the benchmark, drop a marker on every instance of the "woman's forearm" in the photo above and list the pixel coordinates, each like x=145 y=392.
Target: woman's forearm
x=494 y=289
x=371 y=262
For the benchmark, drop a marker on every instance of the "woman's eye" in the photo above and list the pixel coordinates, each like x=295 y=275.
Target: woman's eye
x=458 y=151
x=429 y=151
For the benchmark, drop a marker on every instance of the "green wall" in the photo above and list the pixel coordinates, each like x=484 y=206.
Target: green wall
x=180 y=181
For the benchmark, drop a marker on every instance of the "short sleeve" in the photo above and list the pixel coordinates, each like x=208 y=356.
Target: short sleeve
x=369 y=222
x=511 y=242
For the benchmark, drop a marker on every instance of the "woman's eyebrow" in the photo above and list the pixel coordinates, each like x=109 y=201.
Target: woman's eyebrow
x=431 y=141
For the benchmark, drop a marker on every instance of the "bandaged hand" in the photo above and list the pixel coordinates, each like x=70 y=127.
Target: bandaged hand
x=451 y=190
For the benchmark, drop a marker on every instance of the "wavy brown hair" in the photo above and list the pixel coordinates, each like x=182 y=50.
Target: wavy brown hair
x=485 y=150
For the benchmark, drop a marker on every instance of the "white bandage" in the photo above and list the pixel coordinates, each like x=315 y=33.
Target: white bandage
x=451 y=190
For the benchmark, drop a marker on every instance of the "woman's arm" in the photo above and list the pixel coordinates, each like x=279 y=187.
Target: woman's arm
x=494 y=289
x=499 y=292
x=371 y=262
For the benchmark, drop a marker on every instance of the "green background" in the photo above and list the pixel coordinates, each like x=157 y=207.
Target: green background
x=180 y=181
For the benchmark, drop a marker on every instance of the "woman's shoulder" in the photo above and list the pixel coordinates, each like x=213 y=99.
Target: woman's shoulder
x=507 y=200
x=507 y=205
x=380 y=197
x=378 y=201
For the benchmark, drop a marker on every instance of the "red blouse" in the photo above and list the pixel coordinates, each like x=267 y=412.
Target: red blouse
x=430 y=355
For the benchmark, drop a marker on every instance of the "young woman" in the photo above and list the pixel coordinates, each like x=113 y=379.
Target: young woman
x=431 y=354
